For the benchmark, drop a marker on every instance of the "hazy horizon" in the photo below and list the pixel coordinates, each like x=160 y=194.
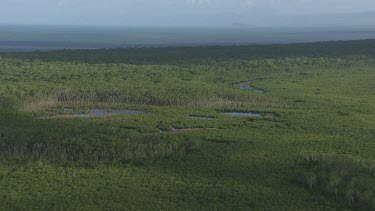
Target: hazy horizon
x=189 y=13
x=72 y=24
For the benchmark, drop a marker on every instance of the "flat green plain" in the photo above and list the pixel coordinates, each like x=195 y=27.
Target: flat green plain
x=312 y=147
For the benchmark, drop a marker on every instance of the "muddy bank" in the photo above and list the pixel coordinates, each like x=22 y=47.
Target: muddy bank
x=185 y=130
x=200 y=117
x=96 y=113
x=248 y=86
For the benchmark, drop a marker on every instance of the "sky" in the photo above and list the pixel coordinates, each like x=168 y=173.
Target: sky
x=182 y=12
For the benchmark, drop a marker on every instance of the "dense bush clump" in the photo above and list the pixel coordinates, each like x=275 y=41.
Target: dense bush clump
x=346 y=179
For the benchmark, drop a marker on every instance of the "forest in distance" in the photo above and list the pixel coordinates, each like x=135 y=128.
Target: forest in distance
x=281 y=126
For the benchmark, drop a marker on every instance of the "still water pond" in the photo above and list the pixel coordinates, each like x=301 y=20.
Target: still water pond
x=247 y=86
x=104 y=113
x=242 y=114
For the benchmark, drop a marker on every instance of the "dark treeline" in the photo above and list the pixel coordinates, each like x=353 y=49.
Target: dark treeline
x=204 y=54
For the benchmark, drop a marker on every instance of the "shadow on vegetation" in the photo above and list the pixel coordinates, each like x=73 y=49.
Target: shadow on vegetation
x=348 y=180
x=7 y=103
x=82 y=142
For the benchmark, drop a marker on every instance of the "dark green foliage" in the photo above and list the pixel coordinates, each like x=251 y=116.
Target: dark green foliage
x=7 y=103
x=345 y=179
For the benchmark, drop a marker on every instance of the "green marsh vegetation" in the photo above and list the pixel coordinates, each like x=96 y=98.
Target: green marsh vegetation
x=311 y=148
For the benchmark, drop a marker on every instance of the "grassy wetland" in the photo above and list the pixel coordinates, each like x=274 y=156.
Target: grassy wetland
x=149 y=128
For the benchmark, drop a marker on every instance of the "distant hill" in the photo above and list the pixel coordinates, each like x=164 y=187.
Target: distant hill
x=257 y=19
x=345 y=19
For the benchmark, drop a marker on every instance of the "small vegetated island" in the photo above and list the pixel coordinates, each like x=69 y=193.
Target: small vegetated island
x=243 y=127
